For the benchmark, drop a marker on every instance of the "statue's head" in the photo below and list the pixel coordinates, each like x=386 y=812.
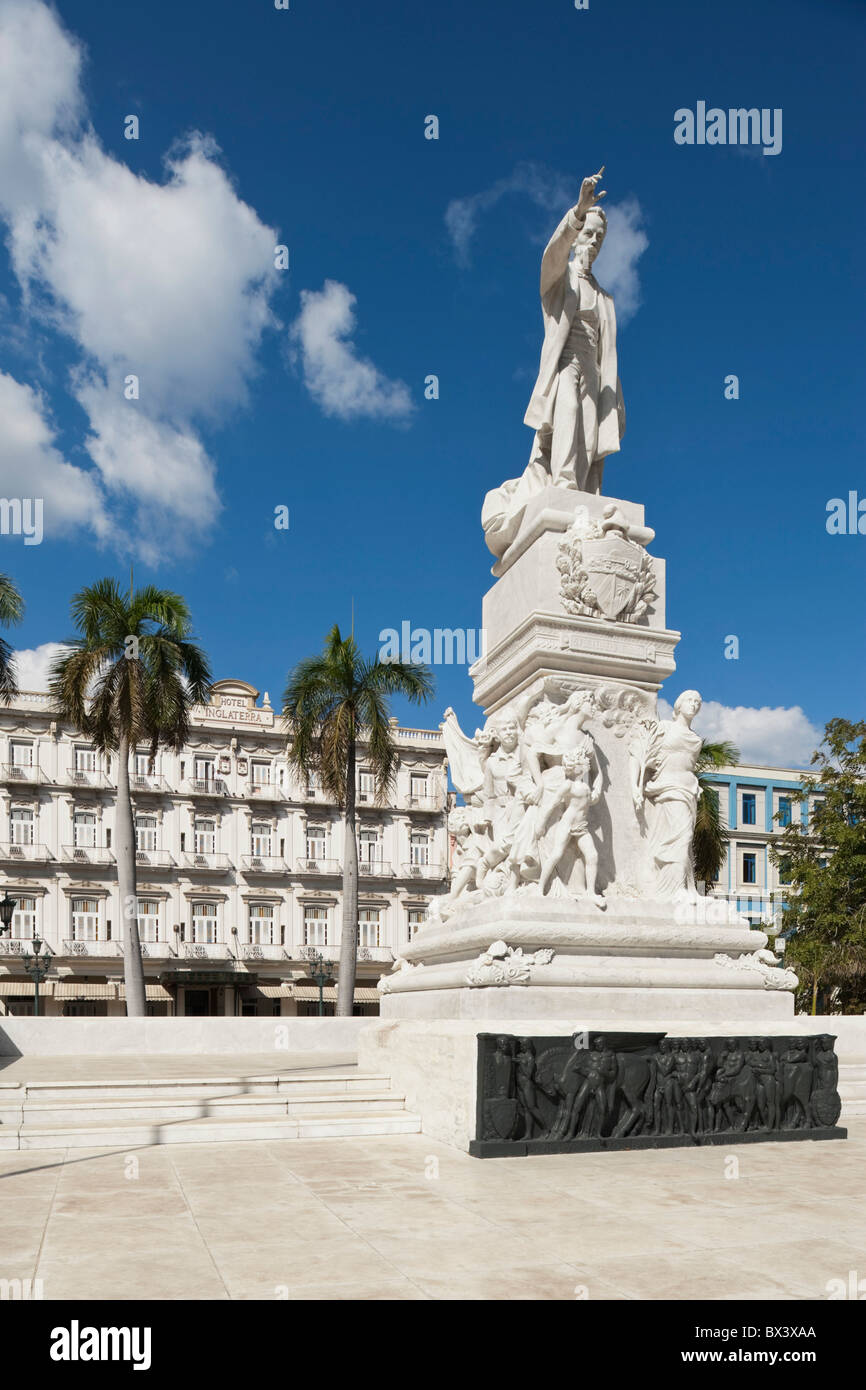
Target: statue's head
x=590 y=237
x=688 y=704
x=508 y=734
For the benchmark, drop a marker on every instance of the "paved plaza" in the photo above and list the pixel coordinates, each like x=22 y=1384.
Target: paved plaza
x=402 y=1217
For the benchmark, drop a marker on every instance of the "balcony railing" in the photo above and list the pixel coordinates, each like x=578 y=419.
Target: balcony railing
x=265 y=791
x=375 y=868
x=92 y=948
x=31 y=854
x=331 y=953
x=153 y=859
x=264 y=864
x=23 y=773
x=423 y=871
x=206 y=863
x=140 y=785
x=206 y=950
x=319 y=866
x=259 y=950
x=18 y=946
x=205 y=786
x=86 y=854
x=85 y=777
x=426 y=803
x=157 y=950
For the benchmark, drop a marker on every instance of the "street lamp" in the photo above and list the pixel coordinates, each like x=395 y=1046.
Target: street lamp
x=321 y=974
x=37 y=966
x=7 y=907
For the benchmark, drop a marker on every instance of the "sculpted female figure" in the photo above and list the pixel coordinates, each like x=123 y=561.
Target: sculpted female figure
x=664 y=756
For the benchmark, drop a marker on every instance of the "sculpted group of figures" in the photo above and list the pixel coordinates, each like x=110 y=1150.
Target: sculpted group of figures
x=532 y=781
x=601 y=1087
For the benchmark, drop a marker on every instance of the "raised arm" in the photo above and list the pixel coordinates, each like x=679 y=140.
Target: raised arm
x=554 y=262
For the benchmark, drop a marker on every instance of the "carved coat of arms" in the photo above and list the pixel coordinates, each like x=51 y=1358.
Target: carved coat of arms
x=604 y=572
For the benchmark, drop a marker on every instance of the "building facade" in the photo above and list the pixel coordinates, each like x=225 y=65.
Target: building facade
x=755 y=805
x=238 y=866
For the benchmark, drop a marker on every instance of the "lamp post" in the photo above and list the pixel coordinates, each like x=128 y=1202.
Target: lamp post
x=321 y=974
x=7 y=907
x=37 y=966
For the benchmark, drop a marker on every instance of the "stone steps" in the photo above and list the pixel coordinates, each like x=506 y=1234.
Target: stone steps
x=852 y=1088
x=177 y=1110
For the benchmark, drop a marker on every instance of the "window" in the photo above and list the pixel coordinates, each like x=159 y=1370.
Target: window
x=315 y=842
x=314 y=783
x=85 y=919
x=750 y=868
x=148 y=919
x=366 y=786
x=84 y=829
x=142 y=765
x=262 y=924
x=750 y=808
x=784 y=871
x=24 y=919
x=205 y=836
x=784 y=811
x=418 y=786
x=204 y=922
x=204 y=769
x=415 y=917
x=315 y=926
x=22 y=825
x=85 y=759
x=261 y=774
x=368 y=926
x=22 y=754
x=145 y=834
x=419 y=847
x=260 y=833
x=369 y=848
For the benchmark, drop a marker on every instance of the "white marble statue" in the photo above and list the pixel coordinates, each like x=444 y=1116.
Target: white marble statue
x=576 y=408
x=664 y=755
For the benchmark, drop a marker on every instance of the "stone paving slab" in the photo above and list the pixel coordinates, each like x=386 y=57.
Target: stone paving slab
x=402 y=1217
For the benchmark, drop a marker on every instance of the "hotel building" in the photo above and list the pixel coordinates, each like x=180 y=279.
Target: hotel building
x=238 y=866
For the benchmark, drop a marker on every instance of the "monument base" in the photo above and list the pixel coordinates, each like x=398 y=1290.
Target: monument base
x=488 y=1148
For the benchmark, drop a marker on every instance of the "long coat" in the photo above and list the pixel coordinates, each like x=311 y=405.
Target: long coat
x=559 y=303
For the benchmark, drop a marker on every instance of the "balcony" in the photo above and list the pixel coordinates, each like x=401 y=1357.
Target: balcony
x=141 y=785
x=375 y=868
x=23 y=775
x=206 y=950
x=255 y=950
x=84 y=777
x=157 y=950
x=206 y=863
x=428 y=871
x=153 y=859
x=86 y=854
x=265 y=791
x=264 y=864
x=379 y=954
x=205 y=786
x=17 y=946
x=426 y=803
x=30 y=854
x=319 y=866
x=91 y=948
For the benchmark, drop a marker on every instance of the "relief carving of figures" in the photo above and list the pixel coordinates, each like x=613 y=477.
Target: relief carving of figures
x=664 y=756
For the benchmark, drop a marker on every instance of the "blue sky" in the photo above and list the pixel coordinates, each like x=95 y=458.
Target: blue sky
x=305 y=387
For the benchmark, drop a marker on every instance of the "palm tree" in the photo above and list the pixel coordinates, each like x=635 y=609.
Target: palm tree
x=331 y=702
x=708 y=841
x=11 y=611
x=130 y=677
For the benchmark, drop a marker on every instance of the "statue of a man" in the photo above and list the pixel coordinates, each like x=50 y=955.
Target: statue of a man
x=576 y=408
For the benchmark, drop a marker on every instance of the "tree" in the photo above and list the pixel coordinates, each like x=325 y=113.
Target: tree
x=824 y=921
x=11 y=612
x=331 y=703
x=130 y=677
x=709 y=843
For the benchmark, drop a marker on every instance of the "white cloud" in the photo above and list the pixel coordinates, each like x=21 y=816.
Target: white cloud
x=31 y=466
x=168 y=281
x=341 y=382
x=33 y=664
x=554 y=193
x=777 y=737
